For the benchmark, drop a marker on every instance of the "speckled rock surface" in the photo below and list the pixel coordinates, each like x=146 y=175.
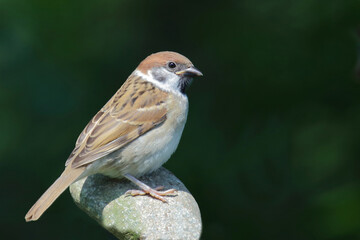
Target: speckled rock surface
x=139 y=217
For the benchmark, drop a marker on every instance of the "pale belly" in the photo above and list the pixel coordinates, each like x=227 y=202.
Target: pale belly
x=146 y=153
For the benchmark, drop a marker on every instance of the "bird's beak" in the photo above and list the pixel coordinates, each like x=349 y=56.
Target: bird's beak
x=189 y=72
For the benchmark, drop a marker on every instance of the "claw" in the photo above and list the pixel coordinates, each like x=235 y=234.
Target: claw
x=152 y=192
x=146 y=190
x=135 y=192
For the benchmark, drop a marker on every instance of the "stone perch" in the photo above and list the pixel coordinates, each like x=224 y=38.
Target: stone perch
x=139 y=217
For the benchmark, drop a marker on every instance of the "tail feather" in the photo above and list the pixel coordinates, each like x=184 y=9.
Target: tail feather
x=53 y=192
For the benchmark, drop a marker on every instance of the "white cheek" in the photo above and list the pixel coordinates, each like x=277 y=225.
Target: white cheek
x=172 y=80
x=170 y=85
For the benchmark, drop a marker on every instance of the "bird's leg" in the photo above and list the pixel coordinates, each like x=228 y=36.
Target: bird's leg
x=145 y=189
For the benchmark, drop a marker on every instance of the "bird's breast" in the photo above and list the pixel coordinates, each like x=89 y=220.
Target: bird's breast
x=148 y=152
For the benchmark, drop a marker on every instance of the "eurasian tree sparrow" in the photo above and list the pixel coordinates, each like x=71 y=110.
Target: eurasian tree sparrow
x=135 y=132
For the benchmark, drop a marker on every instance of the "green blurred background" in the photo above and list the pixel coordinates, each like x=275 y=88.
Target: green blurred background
x=271 y=146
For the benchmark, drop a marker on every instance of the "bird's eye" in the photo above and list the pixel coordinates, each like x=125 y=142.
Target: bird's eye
x=172 y=65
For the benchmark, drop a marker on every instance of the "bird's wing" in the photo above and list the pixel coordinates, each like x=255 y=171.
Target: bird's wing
x=136 y=108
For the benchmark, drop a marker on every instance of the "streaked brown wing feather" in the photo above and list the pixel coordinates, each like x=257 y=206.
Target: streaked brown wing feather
x=136 y=108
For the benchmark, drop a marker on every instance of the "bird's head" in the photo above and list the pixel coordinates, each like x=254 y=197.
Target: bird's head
x=169 y=70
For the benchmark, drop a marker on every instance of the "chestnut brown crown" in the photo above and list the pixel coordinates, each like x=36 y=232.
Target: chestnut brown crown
x=160 y=59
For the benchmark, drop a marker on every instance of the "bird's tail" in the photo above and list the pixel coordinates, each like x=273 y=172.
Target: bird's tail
x=67 y=177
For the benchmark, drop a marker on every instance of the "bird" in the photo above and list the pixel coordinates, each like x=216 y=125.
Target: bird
x=134 y=133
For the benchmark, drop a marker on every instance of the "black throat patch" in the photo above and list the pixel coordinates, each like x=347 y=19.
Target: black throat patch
x=184 y=83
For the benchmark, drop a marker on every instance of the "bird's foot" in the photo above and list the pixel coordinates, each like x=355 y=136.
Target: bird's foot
x=146 y=190
x=155 y=193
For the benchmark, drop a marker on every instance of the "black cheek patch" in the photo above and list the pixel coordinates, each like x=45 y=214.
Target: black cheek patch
x=158 y=76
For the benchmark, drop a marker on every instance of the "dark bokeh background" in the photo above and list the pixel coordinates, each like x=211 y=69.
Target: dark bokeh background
x=271 y=146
